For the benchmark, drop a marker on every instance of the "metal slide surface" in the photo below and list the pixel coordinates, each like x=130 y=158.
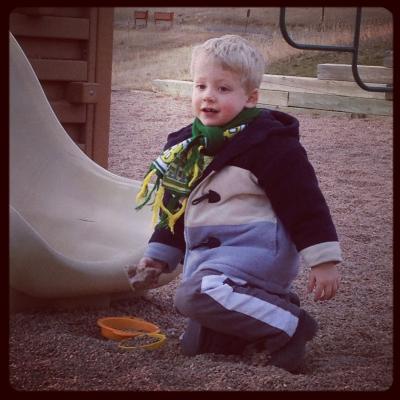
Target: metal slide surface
x=73 y=225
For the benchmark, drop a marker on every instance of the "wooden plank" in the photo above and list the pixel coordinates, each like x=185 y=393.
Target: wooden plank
x=315 y=85
x=343 y=72
x=275 y=97
x=83 y=92
x=49 y=27
x=173 y=87
x=388 y=59
x=62 y=49
x=315 y=112
x=341 y=103
x=69 y=113
x=309 y=111
x=60 y=70
x=389 y=95
x=184 y=89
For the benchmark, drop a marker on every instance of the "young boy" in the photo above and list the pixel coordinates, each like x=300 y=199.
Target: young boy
x=239 y=201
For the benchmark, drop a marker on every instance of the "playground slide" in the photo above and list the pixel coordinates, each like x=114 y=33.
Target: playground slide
x=73 y=225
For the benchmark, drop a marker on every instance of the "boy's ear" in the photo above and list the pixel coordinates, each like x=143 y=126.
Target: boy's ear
x=252 y=99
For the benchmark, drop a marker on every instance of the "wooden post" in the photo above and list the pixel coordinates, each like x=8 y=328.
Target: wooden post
x=70 y=50
x=103 y=77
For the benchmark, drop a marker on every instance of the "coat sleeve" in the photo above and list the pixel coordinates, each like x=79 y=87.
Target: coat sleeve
x=167 y=246
x=291 y=185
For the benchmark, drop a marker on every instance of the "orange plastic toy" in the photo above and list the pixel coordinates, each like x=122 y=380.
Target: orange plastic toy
x=118 y=328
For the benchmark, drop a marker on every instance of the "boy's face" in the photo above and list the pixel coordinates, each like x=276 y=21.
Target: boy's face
x=218 y=95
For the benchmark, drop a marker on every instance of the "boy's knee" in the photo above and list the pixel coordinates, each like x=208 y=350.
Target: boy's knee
x=185 y=299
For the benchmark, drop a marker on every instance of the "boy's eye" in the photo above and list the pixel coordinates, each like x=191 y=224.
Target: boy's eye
x=223 y=89
x=200 y=86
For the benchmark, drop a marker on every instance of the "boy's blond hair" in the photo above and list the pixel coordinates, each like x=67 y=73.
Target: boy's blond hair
x=236 y=54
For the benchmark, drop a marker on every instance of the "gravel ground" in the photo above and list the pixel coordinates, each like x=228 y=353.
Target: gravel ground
x=63 y=349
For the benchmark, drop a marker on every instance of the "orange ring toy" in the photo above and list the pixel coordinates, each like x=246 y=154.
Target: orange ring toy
x=118 y=328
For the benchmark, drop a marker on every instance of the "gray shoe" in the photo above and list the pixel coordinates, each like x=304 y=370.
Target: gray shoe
x=198 y=339
x=291 y=356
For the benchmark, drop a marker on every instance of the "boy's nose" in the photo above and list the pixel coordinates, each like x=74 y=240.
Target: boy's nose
x=209 y=96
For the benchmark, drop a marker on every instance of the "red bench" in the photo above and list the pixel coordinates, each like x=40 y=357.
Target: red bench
x=141 y=15
x=164 y=16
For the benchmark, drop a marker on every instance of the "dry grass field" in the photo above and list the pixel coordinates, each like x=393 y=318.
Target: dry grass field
x=162 y=51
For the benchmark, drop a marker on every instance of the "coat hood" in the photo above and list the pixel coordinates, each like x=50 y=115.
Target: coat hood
x=269 y=125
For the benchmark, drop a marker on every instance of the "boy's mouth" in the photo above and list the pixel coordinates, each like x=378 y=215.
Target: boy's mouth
x=209 y=110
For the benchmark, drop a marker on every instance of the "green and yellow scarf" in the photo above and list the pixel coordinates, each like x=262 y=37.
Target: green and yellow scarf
x=178 y=168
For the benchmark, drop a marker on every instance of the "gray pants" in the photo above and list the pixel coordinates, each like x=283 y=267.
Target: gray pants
x=229 y=305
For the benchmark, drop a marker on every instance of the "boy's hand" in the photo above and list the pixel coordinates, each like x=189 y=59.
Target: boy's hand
x=145 y=274
x=324 y=280
x=147 y=262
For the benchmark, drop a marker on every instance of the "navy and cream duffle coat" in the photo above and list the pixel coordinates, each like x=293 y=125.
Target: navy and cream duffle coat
x=255 y=210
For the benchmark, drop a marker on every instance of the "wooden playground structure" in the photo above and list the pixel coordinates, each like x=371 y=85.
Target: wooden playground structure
x=70 y=50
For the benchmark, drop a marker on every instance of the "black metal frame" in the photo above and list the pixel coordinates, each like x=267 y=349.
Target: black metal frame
x=350 y=49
